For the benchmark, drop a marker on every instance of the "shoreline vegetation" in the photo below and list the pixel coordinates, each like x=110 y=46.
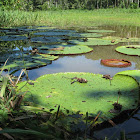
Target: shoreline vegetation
x=70 y=18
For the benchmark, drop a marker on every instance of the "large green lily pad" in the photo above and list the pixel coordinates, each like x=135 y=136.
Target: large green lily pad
x=85 y=35
x=97 y=95
x=66 y=50
x=12 y=38
x=27 y=61
x=51 y=40
x=93 y=41
x=51 y=33
x=129 y=49
x=101 y=31
x=119 y=39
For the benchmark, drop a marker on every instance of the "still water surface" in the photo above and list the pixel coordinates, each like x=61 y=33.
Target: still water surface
x=90 y=62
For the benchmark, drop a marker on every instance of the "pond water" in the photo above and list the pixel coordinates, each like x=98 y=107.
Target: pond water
x=90 y=62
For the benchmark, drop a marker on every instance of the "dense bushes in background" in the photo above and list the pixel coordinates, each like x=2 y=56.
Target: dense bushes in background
x=32 y=5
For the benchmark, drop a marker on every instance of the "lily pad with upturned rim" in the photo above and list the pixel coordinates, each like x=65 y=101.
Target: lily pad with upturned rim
x=97 y=95
x=133 y=73
x=101 y=31
x=129 y=50
x=92 y=41
x=85 y=35
x=74 y=49
x=12 y=38
x=50 y=40
x=51 y=33
x=116 y=63
x=27 y=61
x=119 y=39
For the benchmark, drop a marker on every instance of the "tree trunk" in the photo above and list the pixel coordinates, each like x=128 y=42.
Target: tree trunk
x=97 y=5
x=107 y=3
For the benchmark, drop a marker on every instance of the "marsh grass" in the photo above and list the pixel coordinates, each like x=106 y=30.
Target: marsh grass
x=71 y=18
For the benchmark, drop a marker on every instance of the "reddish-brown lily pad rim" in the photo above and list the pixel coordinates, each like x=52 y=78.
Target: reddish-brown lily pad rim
x=116 y=63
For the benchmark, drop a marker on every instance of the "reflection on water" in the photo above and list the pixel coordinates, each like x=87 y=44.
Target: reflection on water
x=90 y=62
x=76 y=64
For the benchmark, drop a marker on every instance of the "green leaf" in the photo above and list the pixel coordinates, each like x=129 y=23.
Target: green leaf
x=92 y=41
x=4 y=85
x=129 y=50
x=21 y=131
x=94 y=96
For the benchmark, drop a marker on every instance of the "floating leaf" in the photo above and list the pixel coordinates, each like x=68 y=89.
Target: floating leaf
x=129 y=50
x=52 y=33
x=85 y=35
x=119 y=39
x=27 y=61
x=91 y=97
x=53 y=40
x=92 y=41
x=74 y=49
x=12 y=38
x=101 y=31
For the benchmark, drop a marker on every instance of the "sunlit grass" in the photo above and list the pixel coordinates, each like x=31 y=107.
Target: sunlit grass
x=71 y=18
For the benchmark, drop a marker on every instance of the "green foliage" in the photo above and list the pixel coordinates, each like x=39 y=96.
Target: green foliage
x=97 y=95
x=32 y=5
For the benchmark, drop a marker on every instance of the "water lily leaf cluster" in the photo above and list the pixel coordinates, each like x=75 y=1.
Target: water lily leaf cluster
x=97 y=95
x=129 y=50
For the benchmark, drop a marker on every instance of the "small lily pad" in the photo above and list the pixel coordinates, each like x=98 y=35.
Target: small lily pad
x=129 y=50
x=92 y=41
x=12 y=38
x=116 y=63
x=97 y=95
x=101 y=31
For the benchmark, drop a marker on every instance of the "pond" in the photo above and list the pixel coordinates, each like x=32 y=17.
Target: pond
x=88 y=62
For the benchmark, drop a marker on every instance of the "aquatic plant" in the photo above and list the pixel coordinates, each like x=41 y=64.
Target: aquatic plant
x=129 y=50
x=116 y=63
x=94 y=96
x=92 y=41
x=65 y=49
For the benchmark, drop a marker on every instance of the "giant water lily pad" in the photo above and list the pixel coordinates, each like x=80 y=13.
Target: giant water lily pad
x=66 y=50
x=92 y=41
x=27 y=61
x=116 y=62
x=101 y=31
x=129 y=49
x=12 y=38
x=119 y=39
x=53 y=40
x=51 y=33
x=85 y=35
x=97 y=95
